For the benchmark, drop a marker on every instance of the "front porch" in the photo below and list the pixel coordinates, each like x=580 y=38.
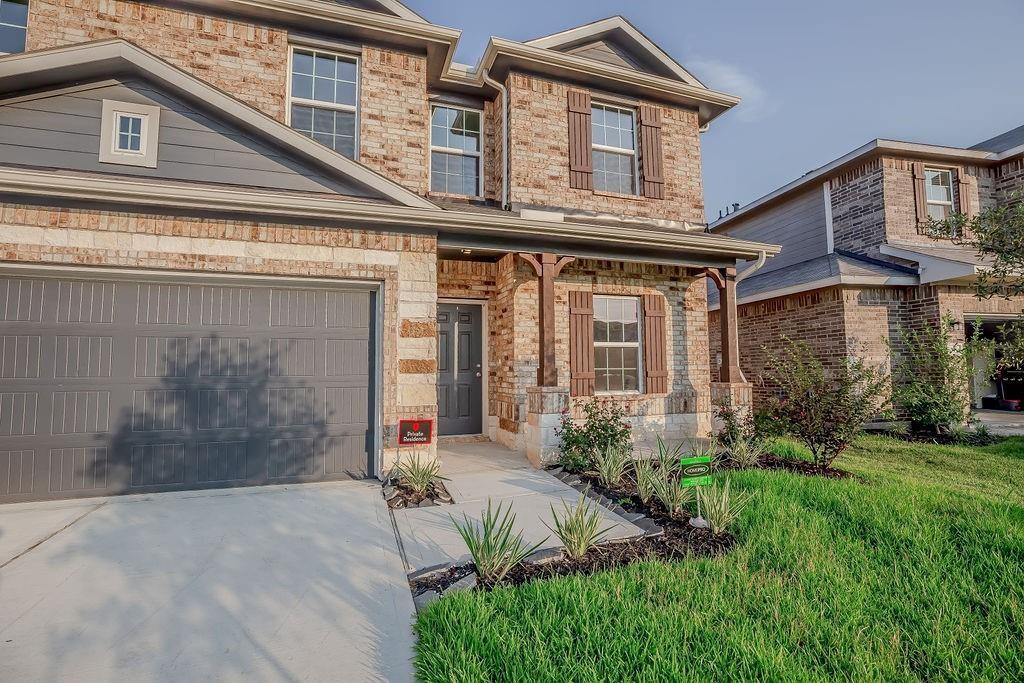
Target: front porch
x=523 y=337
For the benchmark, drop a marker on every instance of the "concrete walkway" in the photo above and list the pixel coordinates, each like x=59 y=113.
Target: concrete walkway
x=1002 y=422
x=275 y=583
x=476 y=472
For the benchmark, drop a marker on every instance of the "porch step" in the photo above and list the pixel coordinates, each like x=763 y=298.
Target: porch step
x=469 y=438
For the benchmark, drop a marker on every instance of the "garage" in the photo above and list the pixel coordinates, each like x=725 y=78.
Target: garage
x=134 y=384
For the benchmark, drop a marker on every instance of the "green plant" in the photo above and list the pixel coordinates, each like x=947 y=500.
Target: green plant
x=578 y=529
x=667 y=456
x=604 y=425
x=645 y=472
x=417 y=474
x=824 y=410
x=719 y=506
x=746 y=453
x=493 y=543
x=933 y=373
x=610 y=465
x=670 y=492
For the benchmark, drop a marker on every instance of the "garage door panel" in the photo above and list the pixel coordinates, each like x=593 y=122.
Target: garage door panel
x=132 y=386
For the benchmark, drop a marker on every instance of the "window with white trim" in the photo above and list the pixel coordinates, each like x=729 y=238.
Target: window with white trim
x=617 y=344
x=129 y=133
x=128 y=139
x=938 y=192
x=13 y=25
x=456 y=142
x=324 y=98
x=613 y=135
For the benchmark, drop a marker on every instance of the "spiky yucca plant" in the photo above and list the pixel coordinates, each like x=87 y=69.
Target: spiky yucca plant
x=720 y=507
x=610 y=465
x=578 y=529
x=494 y=544
x=671 y=493
x=746 y=453
x=645 y=472
x=417 y=474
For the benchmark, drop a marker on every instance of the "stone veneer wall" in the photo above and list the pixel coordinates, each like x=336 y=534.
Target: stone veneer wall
x=683 y=412
x=540 y=157
x=250 y=61
x=406 y=264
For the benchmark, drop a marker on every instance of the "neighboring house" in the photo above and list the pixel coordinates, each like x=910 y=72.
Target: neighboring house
x=242 y=240
x=857 y=260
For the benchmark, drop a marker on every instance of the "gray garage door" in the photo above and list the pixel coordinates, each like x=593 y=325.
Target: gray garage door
x=131 y=386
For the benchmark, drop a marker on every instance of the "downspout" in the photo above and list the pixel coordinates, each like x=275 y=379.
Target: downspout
x=500 y=87
x=761 y=259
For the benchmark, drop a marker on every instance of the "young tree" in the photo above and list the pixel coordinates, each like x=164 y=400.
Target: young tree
x=997 y=235
x=826 y=410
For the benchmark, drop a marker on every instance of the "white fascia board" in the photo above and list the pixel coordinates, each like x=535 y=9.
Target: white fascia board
x=933 y=268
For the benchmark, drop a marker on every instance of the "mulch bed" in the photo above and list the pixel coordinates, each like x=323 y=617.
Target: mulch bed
x=438 y=581
x=399 y=496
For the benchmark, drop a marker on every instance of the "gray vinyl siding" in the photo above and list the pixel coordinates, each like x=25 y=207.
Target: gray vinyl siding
x=62 y=131
x=798 y=225
x=609 y=53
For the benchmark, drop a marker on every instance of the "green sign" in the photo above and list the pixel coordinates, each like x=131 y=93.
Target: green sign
x=695 y=471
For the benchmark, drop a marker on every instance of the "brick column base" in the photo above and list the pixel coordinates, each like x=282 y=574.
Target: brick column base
x=544 y=407
x=739 y=395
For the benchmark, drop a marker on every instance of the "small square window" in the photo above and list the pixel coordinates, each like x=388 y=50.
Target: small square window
x=129 y=133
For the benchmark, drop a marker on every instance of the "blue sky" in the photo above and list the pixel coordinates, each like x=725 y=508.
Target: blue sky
x=818 y=78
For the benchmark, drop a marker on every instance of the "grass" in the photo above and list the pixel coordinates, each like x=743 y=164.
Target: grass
x=915 y=572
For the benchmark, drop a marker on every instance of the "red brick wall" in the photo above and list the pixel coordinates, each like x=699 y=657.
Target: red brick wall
x=244 y=59
x=540 y=157
x=858 y=215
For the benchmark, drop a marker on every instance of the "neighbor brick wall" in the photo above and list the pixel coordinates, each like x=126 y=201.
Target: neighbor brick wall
x=246 y=60
x=858 y=214
x=406 y=264
x=540 y=157
x=1010 y=182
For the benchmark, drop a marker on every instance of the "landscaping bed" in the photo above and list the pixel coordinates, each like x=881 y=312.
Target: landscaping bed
x=399 y=496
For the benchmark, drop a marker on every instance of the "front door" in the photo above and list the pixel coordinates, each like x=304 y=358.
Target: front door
x=459 y=369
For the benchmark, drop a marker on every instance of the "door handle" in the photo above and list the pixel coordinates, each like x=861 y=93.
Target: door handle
x=479 y=374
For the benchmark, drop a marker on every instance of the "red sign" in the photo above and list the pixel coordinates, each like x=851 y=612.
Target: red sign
x=415 y=432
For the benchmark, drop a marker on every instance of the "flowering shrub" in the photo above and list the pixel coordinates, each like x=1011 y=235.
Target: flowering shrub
x=604 y=428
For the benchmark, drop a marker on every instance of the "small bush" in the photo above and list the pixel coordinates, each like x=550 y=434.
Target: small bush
x=933 y=373
x=720 y=507
x=672 y=495
x=746 y=453
x=824 y=410
x=578 y=529
x=610 y=465
x=645 y=472
x=417 y=474
x=668 y=456
x=604 y=426
x=493 y=544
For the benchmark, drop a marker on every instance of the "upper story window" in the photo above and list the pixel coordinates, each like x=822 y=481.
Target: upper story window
x=455 y=150
x=129 y=133
x=939 y=187
x=617 y=343
x=13 y=25
x=614 y=154
x=324 y=98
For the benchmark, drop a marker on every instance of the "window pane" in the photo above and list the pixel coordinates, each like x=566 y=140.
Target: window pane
x=302 y=63
x=14 y=12
x=335 y=129
x=939 y=186
x=302 y=117
x=473 y=121
x=302 y=86
x=938 y=212
x=614 y=172
x=346 y=70
x=454 y=173
x=12 y=39
x=324 y=65
x=630 y=380
x=345 y=93
x=615 y=380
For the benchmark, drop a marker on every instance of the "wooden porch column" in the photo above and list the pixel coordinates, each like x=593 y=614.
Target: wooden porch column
x=725 y=279
x=547 y=266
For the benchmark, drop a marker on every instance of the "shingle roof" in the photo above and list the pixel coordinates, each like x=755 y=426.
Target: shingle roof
x=1003 y=141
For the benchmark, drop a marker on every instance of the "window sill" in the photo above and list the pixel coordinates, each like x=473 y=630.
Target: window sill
x=453 y=195
x=619 y=195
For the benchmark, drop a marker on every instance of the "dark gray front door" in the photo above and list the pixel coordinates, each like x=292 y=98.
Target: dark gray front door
x=459 y=369
x=132 y=385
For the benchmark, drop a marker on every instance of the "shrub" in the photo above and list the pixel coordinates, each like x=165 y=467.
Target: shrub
x=825 y=411
x=610 y=465
x=735 y=425
x=720 y=507
x=645 y=472
x=492 y=545
x=933 y=373
x=672 y=495
x=578 y=529
x=417 y=474
x=746 y=453
x=668 y=456
x=604 y=426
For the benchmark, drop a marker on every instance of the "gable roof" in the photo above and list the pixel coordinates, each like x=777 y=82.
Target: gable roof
x=617 y=31
x=1003 y=142
x=385 y=6
x=84 y=62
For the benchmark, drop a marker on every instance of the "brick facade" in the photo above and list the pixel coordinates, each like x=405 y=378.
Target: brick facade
x=540 y=157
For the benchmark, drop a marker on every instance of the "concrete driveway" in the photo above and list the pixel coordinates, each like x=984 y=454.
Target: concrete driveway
x=266 y=584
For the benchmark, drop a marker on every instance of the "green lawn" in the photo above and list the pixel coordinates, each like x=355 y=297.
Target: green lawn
x=917 y=572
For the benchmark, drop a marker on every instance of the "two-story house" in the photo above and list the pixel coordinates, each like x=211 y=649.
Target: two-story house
x=241 y=242
x=859 y=261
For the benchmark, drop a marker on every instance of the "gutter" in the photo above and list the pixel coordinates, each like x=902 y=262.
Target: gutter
x=762 y=258
x=500 y=87
x=134 y=193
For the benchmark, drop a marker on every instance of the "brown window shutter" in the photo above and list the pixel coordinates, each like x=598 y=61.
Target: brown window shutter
x=581 y=162
x=581 y=344
x=655 y=366
x=651 y=159
x=965 y=193
x=920 y=196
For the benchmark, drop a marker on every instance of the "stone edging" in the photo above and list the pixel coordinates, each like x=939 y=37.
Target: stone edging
x=636 y=518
